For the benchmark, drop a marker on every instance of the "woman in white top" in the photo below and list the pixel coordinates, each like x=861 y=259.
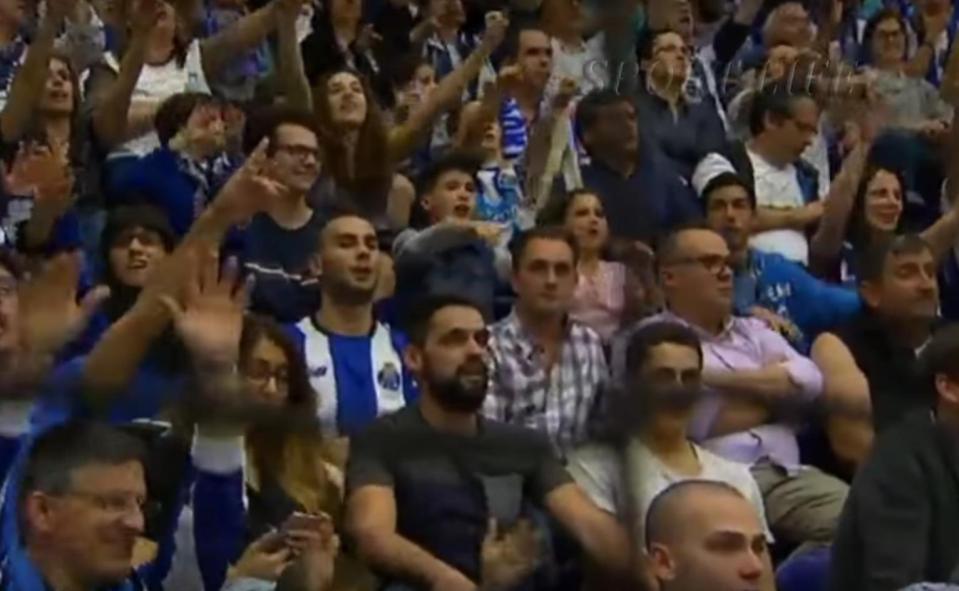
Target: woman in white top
x=648 y=449
x=160 y=59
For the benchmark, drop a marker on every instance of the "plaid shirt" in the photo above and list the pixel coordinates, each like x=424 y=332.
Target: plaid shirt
x=560 y=402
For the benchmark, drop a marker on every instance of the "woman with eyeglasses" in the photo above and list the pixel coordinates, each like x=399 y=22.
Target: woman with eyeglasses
x=292 y=478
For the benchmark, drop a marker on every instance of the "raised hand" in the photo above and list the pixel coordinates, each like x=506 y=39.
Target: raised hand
x=568 y=87
x=50 y=315
x=934 y=23
x=509 y=557
x=366 y=39
x=495 y=32
x=210 y=319
x=58 y=10
x=250 y=190
x=509 y=78
x=288 y=11
x=144 y=16
x=33 y=165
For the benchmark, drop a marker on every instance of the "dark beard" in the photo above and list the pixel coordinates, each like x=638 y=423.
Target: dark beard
x=454 y=393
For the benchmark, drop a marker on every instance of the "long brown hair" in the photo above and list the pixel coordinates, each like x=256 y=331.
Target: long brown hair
x=267 y=441
x=372 y=175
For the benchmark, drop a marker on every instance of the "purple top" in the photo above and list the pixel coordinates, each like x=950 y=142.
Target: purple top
x=746 y=343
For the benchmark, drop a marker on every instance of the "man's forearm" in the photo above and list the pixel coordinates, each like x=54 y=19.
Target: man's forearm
x=781 y=219
x=399 y=557
x=767 y=384
x=608 y=546
x=114 y=361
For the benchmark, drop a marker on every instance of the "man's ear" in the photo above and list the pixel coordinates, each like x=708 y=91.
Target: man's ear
x=38 y=512
x=662 y=565
x=413 y=358
x=315 y=266
x=870 y=293
x=947 y=390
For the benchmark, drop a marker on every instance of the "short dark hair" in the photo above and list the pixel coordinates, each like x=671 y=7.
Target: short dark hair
x=463 y=161
x=660 y=516
x=587 y=111
x=142 y=215
x=667 y=246
x=647 y=41
x=175 y=111
x=728 y=179
x=65 y=448
x=652 y=335
x=776 y=100
x=339 y=212
x=872 y=263
x=941 y=355
x=265 y=122
x=513 y=38
x=520 y=243
x=422 y=312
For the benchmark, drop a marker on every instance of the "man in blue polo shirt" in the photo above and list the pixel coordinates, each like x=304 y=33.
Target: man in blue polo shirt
x=354 y=361
x=641 y=194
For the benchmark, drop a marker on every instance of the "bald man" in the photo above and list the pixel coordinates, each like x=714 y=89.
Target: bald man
x=706 y=535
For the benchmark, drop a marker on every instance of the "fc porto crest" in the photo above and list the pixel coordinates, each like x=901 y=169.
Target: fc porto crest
x=389 y=377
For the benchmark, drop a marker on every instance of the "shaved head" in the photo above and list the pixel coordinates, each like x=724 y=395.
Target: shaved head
x=672 y=508
x=706 y=535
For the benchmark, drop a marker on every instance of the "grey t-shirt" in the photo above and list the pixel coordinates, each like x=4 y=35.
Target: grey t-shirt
x=448 y=486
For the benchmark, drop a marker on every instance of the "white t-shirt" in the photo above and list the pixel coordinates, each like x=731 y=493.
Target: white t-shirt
x=157 y=83
x=778 y=188
x=598 y=469
x=585 y=64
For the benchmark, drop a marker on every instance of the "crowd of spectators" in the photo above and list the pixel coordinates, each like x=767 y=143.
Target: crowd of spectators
x=479 y=295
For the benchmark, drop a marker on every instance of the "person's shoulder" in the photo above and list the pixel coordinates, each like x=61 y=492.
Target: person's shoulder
x=394 y=425
x=398 y=337
x=596 y=455
x=903 y=452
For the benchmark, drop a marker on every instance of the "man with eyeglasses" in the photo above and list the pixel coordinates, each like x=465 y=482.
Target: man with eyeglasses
x=783 y=123
x=73 y=511
x=676 y=119
x=278 y=243
x=755 y=385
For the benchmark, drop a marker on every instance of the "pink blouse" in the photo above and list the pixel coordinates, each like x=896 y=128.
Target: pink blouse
x=599 y=299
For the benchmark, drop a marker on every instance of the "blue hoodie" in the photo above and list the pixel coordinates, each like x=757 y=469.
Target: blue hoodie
x=786 y=288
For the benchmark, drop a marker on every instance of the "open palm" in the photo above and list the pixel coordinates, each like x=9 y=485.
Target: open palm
x=210 y=319
x=50 y=315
